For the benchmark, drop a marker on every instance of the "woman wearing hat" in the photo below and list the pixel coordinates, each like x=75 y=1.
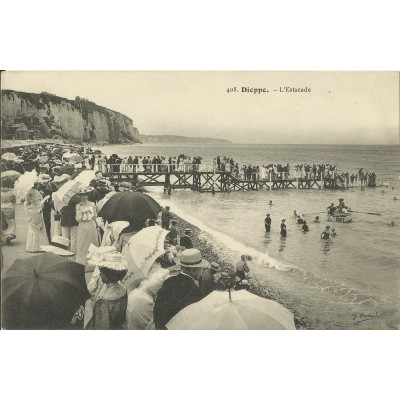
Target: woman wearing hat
x=87 y=229
x=8 y=201
x=110 y=303
x=36 y=235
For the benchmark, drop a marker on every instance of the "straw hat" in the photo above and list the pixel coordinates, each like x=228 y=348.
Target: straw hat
x=214 y=266
x=58 y=245
x=59 y=179
x=191 y=258
x=112 y=261
x=85 y=190
x=229 y=277
x=45 y=177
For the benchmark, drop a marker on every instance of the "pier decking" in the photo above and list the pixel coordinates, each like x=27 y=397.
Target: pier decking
x=207 y=181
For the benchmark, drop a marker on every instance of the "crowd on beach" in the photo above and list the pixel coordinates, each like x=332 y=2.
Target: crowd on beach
x=63 y=220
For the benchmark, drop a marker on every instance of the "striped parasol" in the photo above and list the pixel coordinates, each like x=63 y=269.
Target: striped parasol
x=62 y=197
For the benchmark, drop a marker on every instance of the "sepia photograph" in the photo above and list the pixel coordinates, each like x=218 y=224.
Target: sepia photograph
x=200 y=200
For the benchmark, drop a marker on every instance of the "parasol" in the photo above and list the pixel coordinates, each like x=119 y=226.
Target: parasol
x=58 y=150
x=44 y=291
x=130 y=206
x=23 y=184
x=144 y=248
x=104 y=200
x=65 y=169
x=85 y=177
x=244 y=311
x=9 y=157
x=10 y=174
x=76 y=158
x=63 y=195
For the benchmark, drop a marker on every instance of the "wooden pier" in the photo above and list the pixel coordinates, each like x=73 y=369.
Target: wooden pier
x=208 y=181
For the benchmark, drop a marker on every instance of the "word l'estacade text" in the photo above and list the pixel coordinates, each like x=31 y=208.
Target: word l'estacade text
x=282 y=89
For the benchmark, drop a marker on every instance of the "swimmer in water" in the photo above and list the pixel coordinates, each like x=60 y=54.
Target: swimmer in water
x=304 y=227
x=326 y=233
x=333 y=232
x=300 y=220
x=392 y=223
x=295 y=214
x=270 y=202
x=394 y=198
x=317 y=219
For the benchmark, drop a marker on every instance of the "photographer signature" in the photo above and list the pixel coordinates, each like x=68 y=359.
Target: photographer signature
x=360 y=317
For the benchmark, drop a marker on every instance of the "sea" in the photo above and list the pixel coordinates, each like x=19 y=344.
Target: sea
x=351 y=281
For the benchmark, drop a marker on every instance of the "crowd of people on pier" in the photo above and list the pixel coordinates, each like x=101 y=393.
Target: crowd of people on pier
x=268 y=172
x=154 y=164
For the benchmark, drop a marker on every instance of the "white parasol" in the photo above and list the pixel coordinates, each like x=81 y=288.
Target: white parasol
x=85 y=177
x=9 y=157
x=23 y=184
x=142 y=250
x=63 y=195
x=244 y=311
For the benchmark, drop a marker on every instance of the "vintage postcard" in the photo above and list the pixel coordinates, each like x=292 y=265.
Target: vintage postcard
x=200 y=200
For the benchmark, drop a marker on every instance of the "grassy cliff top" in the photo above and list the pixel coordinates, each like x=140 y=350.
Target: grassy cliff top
x=39 y=100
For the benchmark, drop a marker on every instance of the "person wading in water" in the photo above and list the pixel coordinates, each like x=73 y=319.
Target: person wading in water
x=283 y=228
x=326 y=233
x=267 y=223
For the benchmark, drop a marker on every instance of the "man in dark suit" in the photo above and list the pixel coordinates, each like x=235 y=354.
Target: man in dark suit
x=185 y=241
x=209 y=278
x=69 y=225
x=181 y=290
x=46 y=189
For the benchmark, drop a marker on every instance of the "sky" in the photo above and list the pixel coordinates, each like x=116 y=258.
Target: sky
x=342 y=107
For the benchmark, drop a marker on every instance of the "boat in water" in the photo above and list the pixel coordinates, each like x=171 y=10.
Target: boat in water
x=340 y=216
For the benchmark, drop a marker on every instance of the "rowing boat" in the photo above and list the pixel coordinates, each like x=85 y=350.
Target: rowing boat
x=340 y=216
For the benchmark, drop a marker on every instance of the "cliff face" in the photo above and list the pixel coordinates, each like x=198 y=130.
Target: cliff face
x=47 y=115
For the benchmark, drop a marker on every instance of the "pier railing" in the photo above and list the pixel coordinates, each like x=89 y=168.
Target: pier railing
x=187 y=168
x=150 y=168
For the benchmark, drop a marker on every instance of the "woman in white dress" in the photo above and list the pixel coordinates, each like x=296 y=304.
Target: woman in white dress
x=87 y=229
x=36 y=235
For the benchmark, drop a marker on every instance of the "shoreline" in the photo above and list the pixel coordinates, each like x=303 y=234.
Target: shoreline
x=203 y=241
